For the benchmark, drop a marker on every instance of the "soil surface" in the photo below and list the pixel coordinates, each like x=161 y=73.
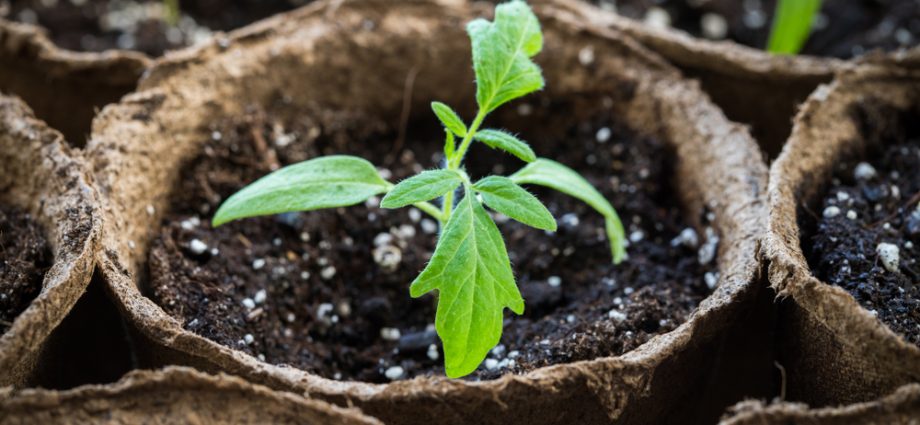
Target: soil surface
x=143 y=25
x=24 y=258
x=866 y=235
x=843 y=28
x=327 y=291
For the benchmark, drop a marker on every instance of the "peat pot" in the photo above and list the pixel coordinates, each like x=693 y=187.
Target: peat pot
x=843 y=223
x=299 y=302
x=51 y=227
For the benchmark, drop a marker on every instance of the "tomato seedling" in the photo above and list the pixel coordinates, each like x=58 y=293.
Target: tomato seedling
x=470 y=268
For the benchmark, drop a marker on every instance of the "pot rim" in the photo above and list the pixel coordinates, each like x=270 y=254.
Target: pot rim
x=31 y=42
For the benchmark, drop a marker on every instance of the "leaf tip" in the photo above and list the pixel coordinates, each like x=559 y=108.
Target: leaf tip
x=416 y=289
x=459 y=365
x=517 y=306
x=387 y=202
x=221 y=216
x=454 y=372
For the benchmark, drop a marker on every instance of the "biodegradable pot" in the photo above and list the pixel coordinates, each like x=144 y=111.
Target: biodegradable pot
x=901 y=407
x=835 y=351
x=750 y=85
x=64 y=88
x=44 y=177
x=169 y=396
x=354 y=56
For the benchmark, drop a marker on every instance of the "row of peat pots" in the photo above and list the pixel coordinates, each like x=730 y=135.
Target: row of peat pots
x=794 y=286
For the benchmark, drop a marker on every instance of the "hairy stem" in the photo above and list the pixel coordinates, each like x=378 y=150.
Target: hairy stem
x=453 y=163
x=431 y=210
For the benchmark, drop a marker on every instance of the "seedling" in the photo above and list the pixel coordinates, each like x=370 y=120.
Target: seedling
x=791 y=25
x=470 y=267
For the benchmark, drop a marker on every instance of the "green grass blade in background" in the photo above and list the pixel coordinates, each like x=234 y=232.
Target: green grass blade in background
x=791 y=25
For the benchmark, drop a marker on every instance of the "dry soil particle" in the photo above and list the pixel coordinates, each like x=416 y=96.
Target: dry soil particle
x=843 y=28
x=868 y=228
x=24 y=259
x=327 y=291
x=97 y=25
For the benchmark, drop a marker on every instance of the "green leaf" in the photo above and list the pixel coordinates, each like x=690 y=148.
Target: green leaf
x=497 y=139
x=791 y=25
x=421 y=187
x=503 y=195
x=502 y=52
x=554 y=175
x=449 y=118
x=472 y=273
x=325 y=182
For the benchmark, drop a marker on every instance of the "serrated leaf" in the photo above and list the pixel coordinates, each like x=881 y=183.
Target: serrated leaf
x=325 y=182
x=791 y=25
x=421 y=187
x=503 y=195
x=545 y=172
x=449 y=118
x=497 y=139
x=472 y=273
x=502 y=52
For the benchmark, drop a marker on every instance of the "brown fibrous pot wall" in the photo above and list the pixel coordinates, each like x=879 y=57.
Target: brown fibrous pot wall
x=64 y=88
x=899 y=408
x=170 y=396
x=834 y=350
x=45 y=177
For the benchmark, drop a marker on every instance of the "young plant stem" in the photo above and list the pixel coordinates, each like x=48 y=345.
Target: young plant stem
x=431 y=210
x=467 y=140
x=453 y=163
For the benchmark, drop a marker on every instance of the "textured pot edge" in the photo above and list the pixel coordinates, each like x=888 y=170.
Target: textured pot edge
x=33 y=42
x=67 y=279
x=122 y=284
x=168 y=379
x=789 y=273
x=905 y=400
x=721 y=57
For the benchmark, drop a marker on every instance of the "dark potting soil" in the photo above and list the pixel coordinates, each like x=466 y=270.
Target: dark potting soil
x=327 y=291
x=843 y=29
x=24 y=258
x=870 y=216
x=142 y=25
